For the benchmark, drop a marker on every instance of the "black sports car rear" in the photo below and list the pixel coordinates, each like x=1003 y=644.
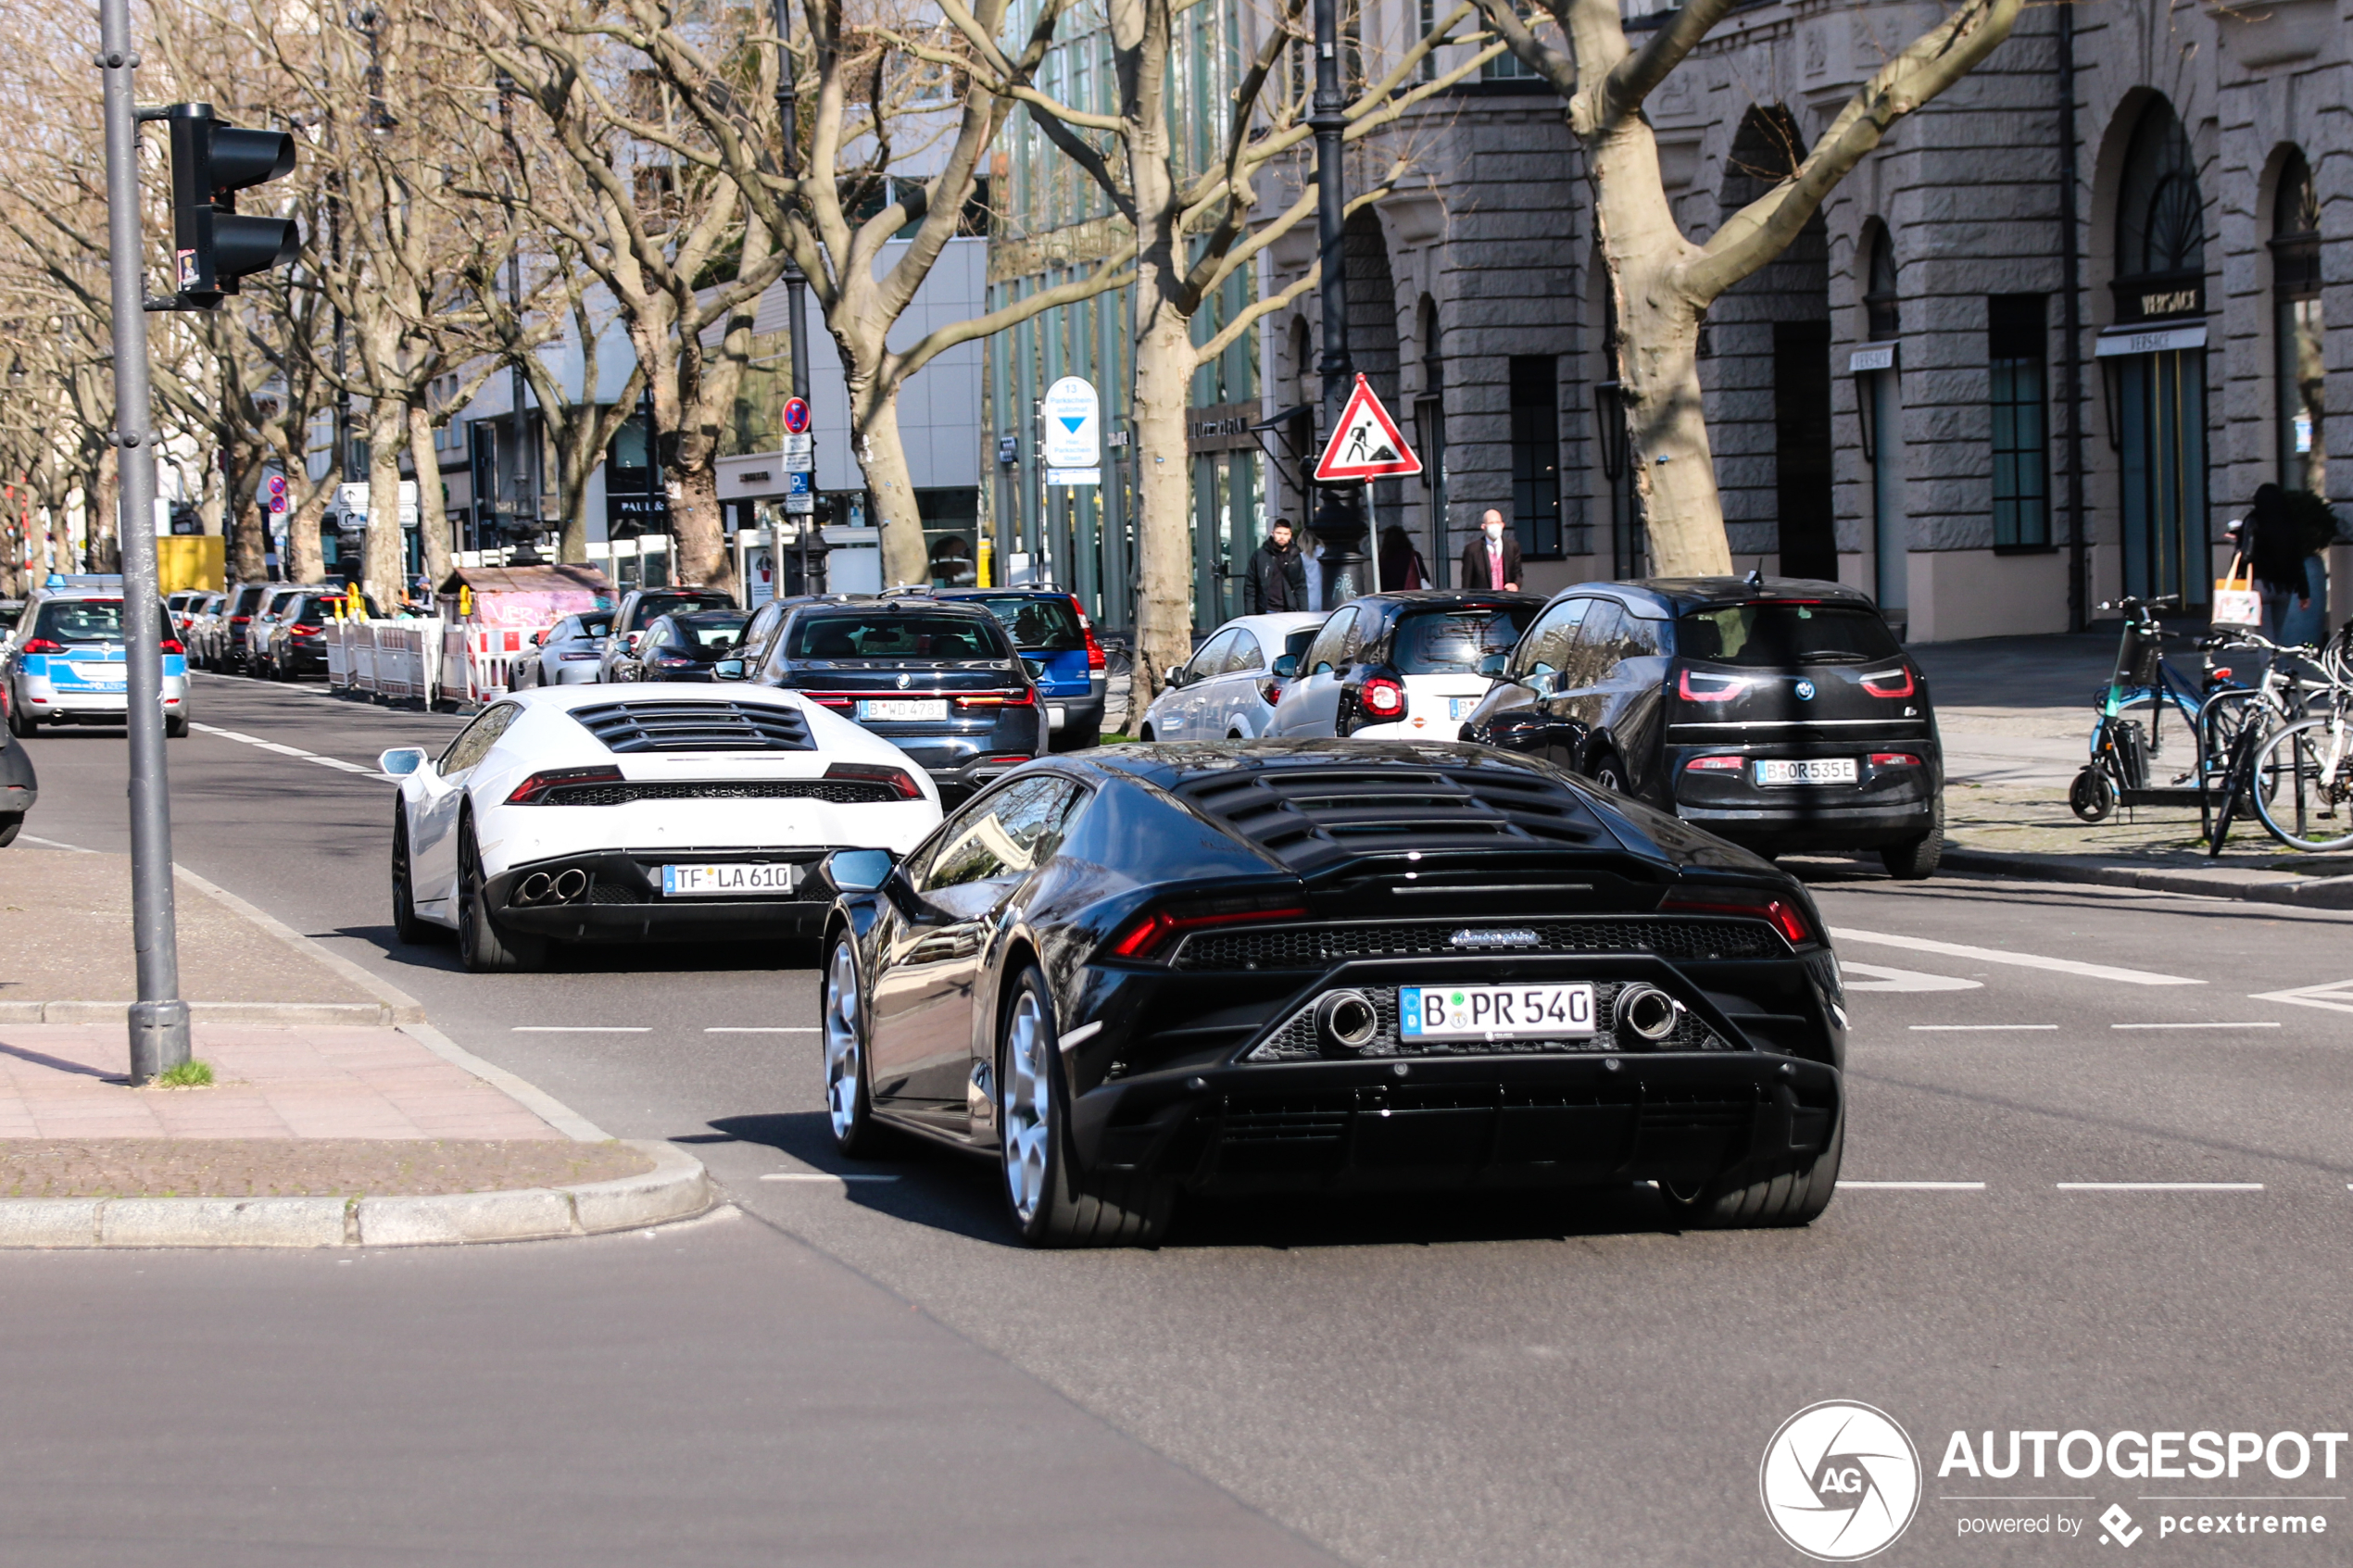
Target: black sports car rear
x=1320 y=965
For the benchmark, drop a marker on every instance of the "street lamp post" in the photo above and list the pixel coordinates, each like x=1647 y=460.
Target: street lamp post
x=159 y=1019
x=796 y=281
x=1339 y=522
x=526 y=486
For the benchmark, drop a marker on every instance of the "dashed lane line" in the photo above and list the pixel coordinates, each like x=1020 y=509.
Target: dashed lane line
x=581 y=1029
x=764 y=1029
x=1975 y=1028
x=2242 y=1024
x=2159 y=1186
x=1916 y=1186
x=337 y=763
x=2022 y=960
x=1879 y=978
x=823 y=1176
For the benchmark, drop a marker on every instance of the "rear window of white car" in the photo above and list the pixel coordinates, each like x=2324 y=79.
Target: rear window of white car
x=1452 y=642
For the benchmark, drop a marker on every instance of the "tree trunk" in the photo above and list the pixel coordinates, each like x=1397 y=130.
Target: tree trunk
x=702 y=549
x=383 y=566
x=306 y=558
x=105 y=518
x=1164 y=524
x=248 y=535
x=433 y=518
x=882 y=457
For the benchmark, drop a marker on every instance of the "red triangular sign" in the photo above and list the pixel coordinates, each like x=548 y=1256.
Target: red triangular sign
x=1366 y=443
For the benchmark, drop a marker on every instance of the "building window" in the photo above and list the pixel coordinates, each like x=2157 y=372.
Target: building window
x=2295 y=287
x=1880 y=316
x=1536 y=455
x=2017 y=340
x=1507 y=67
x=2160 y=227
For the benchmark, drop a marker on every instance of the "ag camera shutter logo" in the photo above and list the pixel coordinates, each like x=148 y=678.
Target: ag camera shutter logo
x=1840 y=1481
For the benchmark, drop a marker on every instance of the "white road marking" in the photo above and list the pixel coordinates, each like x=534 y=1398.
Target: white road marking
x=337 y=763
x=2336 y=996
x=1919 y=1186
x=821 y=1176
x=581 y=1029
x=2023 y=961
x=1974 y=1028
x=2160 y=1187
x=54 y=844
x=810 y=1028
x=2247 y=1023
x=1905 y=980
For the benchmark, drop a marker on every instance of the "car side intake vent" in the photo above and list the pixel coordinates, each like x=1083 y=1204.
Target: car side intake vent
x=695 y=725
x=1311 y=816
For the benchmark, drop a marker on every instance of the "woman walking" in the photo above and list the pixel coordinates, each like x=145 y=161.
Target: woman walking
x=2275 y=551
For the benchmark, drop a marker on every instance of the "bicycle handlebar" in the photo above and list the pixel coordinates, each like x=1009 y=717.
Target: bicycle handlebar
x=2163 y=601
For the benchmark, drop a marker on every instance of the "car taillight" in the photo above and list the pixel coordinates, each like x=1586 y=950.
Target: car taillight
x=307 y=628
x=169 y=644
x=1383 y=697
x=573 y=657
x=1023 y=698
x=671 y=661
x=1094 y=649
x=1271 y=690
x=239 y=620
x=1780 y=913
x=1715 y=688
x=1893 y=759
x=1890 y=683
x=43 y=645
x=901 y=782
x=1149 y=932
x=1713 y=765
x=534 y=790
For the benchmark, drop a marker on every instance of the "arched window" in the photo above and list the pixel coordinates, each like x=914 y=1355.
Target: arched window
x=2295 y=288
x=2160 y=224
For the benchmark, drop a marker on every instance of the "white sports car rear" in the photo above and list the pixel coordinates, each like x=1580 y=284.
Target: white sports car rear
x=654 y=812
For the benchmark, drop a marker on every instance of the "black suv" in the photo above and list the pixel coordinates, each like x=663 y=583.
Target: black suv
x=1777 y=712
x=940 y=682
x=640 y=609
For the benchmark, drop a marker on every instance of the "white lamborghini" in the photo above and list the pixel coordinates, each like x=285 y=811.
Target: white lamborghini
x=651 y=812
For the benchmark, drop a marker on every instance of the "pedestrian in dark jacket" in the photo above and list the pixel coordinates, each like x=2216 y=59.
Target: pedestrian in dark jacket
x=1274 y=579
x=1481 y=557
x=1400 y=563
x=2275 y=549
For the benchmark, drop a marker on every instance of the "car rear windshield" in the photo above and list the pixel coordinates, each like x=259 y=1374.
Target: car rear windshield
x=1297 y=643
x=653 y=607
x=323 y=607
x=80 y=621
x=1452 y=642
x=712 y=636
x=1775 y=635
x=914 y=636
x=1038 y=625
x=247 y=599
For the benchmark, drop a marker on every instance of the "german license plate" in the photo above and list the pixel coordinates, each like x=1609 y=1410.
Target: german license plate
x=903 y=708
x=1460 y=706
x=97 y=674
x=690 y=882
x=1493 y=1012
x=1796 y=771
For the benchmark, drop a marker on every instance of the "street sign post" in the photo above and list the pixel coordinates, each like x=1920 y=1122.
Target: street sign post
x=278 y=493
x=1073 y=443
x=1365 y=443
x=795 y=416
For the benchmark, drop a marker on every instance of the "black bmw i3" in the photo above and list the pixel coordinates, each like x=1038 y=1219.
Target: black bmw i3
x=1329 y=966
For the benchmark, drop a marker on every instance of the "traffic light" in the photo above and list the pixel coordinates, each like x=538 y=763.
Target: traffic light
x=213 y=245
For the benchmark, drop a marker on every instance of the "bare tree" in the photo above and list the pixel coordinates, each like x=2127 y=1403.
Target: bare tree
x=1661 y=282
x=1195 y=228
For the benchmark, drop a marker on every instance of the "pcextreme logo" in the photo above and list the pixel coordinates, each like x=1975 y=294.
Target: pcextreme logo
x=1840 y=1481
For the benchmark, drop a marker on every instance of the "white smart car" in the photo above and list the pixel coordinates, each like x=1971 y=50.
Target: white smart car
x=1227 y=690
x=654 y=812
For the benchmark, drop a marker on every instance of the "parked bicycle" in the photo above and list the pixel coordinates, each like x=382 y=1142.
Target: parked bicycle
x=2303 y=771
x=2128 y=738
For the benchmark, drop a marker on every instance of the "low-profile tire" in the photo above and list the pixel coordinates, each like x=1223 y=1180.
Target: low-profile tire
x=406 y=922
x=1051 y=1202
x=2092 y=796
x=1082 y=740
x=850 y=1104
x=11 y=824
x=482 y=946
x=1610 y=773
x=1915 y=858
x=1743 y=1198
x=22 y=725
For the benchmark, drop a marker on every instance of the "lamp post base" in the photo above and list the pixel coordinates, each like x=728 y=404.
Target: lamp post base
x=159 y=1039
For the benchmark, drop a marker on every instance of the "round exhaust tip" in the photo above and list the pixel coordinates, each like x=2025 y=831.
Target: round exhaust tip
x=1648 y=1012
x=535 y=887
x=571 y=883
x=1347 y=1020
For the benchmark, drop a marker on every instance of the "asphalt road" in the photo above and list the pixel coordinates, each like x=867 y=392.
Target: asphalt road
x=2100 y=1178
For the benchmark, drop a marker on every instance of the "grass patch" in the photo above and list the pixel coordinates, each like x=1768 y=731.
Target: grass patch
x=187 y=1076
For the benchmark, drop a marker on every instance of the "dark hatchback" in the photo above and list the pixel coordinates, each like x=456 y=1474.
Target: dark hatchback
x=1780 y=713
x=298 y=637
x=941 y=682
x=1287 y=966
x=1054 y=634
x=682 y=646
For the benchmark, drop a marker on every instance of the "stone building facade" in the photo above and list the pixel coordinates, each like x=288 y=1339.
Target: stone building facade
x=2036 y=351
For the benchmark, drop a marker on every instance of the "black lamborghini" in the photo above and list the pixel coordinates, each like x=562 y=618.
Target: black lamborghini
x=1320 y=966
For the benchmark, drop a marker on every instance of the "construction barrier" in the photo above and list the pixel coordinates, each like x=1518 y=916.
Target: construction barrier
x=395 y=660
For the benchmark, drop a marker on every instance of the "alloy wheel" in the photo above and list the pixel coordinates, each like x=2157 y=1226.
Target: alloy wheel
x=1028 y=1106
x=842 y=1046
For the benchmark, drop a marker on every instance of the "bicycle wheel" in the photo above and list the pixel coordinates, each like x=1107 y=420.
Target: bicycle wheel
x=2227 y=717
x=2303 y=784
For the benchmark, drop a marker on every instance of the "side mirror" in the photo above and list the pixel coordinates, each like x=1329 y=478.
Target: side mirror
x=1493 y=666
x=403 y=760
x=858 y=871
x=1176 y=675
x=728 y=670
x=539 y=639
x=1285 y=666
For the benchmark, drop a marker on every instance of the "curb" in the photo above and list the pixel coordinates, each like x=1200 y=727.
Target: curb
x=676 y=1188
x=399 y=1006
x=2255 y=887
x=365 y=1015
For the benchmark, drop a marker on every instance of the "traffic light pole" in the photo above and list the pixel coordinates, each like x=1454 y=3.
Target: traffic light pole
x=1340 y=523
x=796 y=282
x=159 y=1019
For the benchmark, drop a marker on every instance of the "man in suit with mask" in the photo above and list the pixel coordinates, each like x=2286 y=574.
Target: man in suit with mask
x=1491 y=560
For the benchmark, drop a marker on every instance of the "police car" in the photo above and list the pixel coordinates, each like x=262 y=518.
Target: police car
x=66 y=664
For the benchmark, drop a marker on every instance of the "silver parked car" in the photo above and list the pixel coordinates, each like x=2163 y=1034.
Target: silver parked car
x=1227 y=690
x=566 y=653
